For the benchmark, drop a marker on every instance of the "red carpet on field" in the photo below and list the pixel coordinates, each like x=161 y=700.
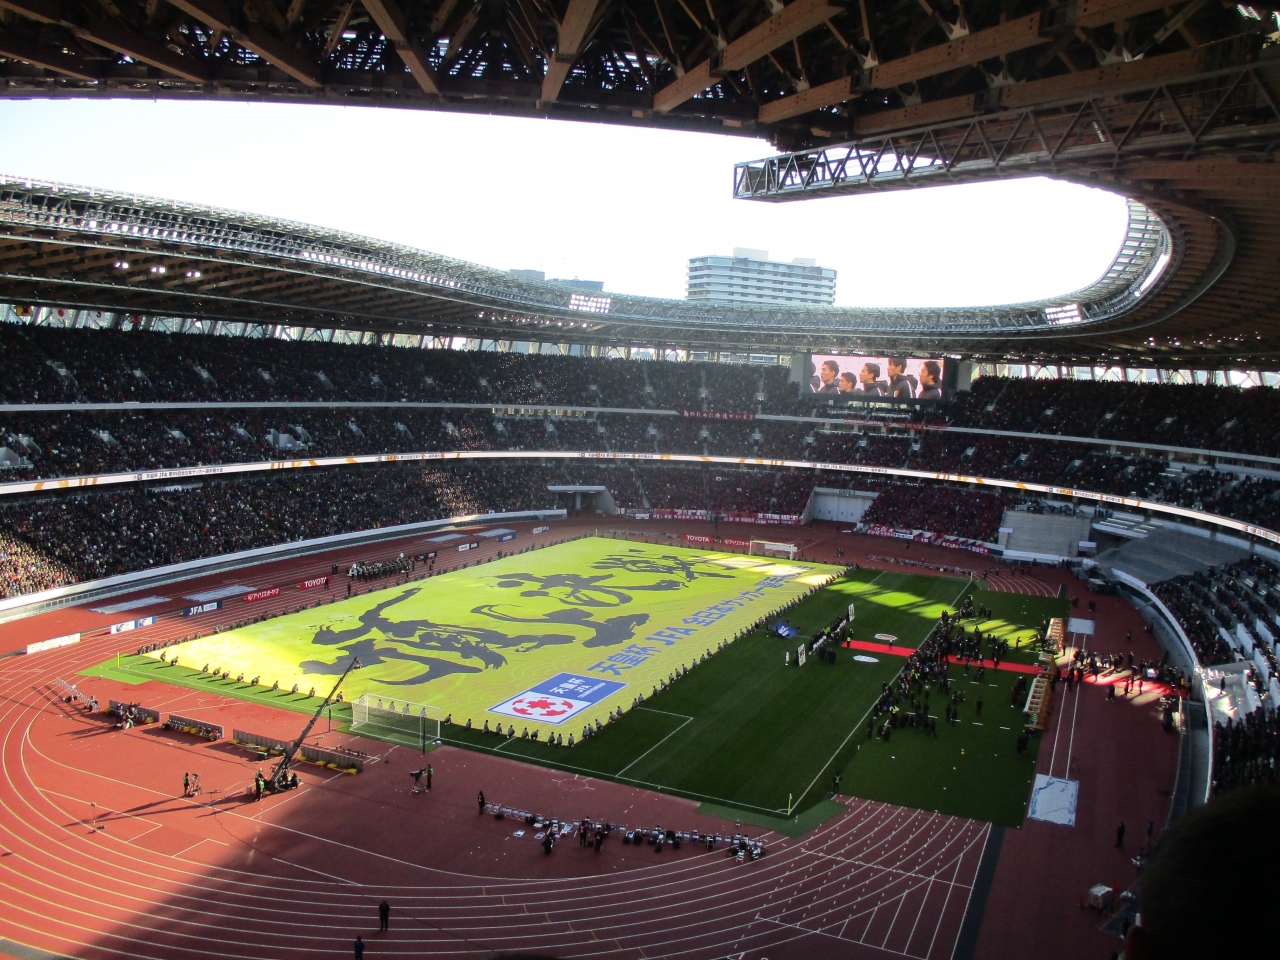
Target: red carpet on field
x=907 y=651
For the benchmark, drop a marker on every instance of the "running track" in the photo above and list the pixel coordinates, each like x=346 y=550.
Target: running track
x=301 y=874
x=1012 y=582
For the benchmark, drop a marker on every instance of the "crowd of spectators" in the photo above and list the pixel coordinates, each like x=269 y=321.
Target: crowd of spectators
x=79 y=537
x=45 y=445
x=1225 y=610
x=41 y=364
x=1246 y=751
x=1200 y=417
x=619 y=478
x=49 y=541
x=1208 y=643
x=24 y=569
x=939 y=510
x=677 y=487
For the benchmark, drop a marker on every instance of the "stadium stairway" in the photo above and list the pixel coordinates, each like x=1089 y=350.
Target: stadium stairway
x=1168 y=553
x=1044 y=533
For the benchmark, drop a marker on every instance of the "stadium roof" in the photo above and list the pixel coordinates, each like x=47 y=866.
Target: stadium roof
x=73 y=246
x=801 y=73
x=1176 y=106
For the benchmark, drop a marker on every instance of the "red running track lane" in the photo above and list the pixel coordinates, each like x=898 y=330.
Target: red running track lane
x=1125 y=764
x=1011 y=582
x=301 y=874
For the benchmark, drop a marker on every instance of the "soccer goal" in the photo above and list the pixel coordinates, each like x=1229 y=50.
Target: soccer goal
x=399 y=721
x=762 y=547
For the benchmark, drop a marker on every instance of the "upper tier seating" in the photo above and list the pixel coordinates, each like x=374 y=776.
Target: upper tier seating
x=1199 y=417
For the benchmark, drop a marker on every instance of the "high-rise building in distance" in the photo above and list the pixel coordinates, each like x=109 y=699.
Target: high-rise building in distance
x=749 y=277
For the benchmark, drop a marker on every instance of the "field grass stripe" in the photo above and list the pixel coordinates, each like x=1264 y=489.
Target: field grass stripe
x=687 y=721
x=858 y=726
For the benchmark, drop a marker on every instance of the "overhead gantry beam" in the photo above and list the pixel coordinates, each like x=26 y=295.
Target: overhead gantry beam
x=391 y=21
x=217 y=16
x=112 y=37
x=573 y=34
x=1010 y=37
x=44 y=57
x=157 y=55
x=43 y=11
x=755 y=44
x=1113 y=80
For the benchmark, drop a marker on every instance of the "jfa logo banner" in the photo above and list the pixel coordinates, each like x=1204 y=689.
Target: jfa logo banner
x=558 y=699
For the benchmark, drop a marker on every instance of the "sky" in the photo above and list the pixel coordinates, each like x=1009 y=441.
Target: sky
x=624 y=205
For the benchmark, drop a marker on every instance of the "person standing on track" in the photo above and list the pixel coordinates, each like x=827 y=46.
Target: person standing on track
x=186 y=784
x=430 y=771
x=384 y=916
x=358 y=949
x=480 y=801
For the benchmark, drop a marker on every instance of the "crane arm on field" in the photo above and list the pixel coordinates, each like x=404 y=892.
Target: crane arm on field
x=277 y=779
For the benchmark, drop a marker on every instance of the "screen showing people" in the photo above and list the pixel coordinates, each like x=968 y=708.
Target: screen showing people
x=894 y=378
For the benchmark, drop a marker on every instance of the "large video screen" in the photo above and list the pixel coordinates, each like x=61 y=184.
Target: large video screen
x=868 y=378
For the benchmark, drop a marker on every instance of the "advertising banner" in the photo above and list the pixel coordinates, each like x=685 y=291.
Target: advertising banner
x=717 y=415
x=897 y=533
x=200 y=608
x=132 y=624
x=262 y=595
x=53 y=644
x=729 y=516
x=314 y=582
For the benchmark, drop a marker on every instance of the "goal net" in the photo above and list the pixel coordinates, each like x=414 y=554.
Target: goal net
x=398 y=721
x=762 y=547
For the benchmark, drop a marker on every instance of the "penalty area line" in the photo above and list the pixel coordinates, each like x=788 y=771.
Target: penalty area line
x=687 y=721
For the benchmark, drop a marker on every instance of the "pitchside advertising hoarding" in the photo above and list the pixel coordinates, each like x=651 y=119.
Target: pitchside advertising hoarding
x=132 y=625
x=871 y=378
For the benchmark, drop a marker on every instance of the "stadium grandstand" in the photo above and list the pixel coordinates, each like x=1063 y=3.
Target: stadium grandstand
x=935 y=631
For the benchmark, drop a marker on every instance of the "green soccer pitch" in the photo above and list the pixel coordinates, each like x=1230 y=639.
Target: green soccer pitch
x=743 y=731
x=547 y=640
